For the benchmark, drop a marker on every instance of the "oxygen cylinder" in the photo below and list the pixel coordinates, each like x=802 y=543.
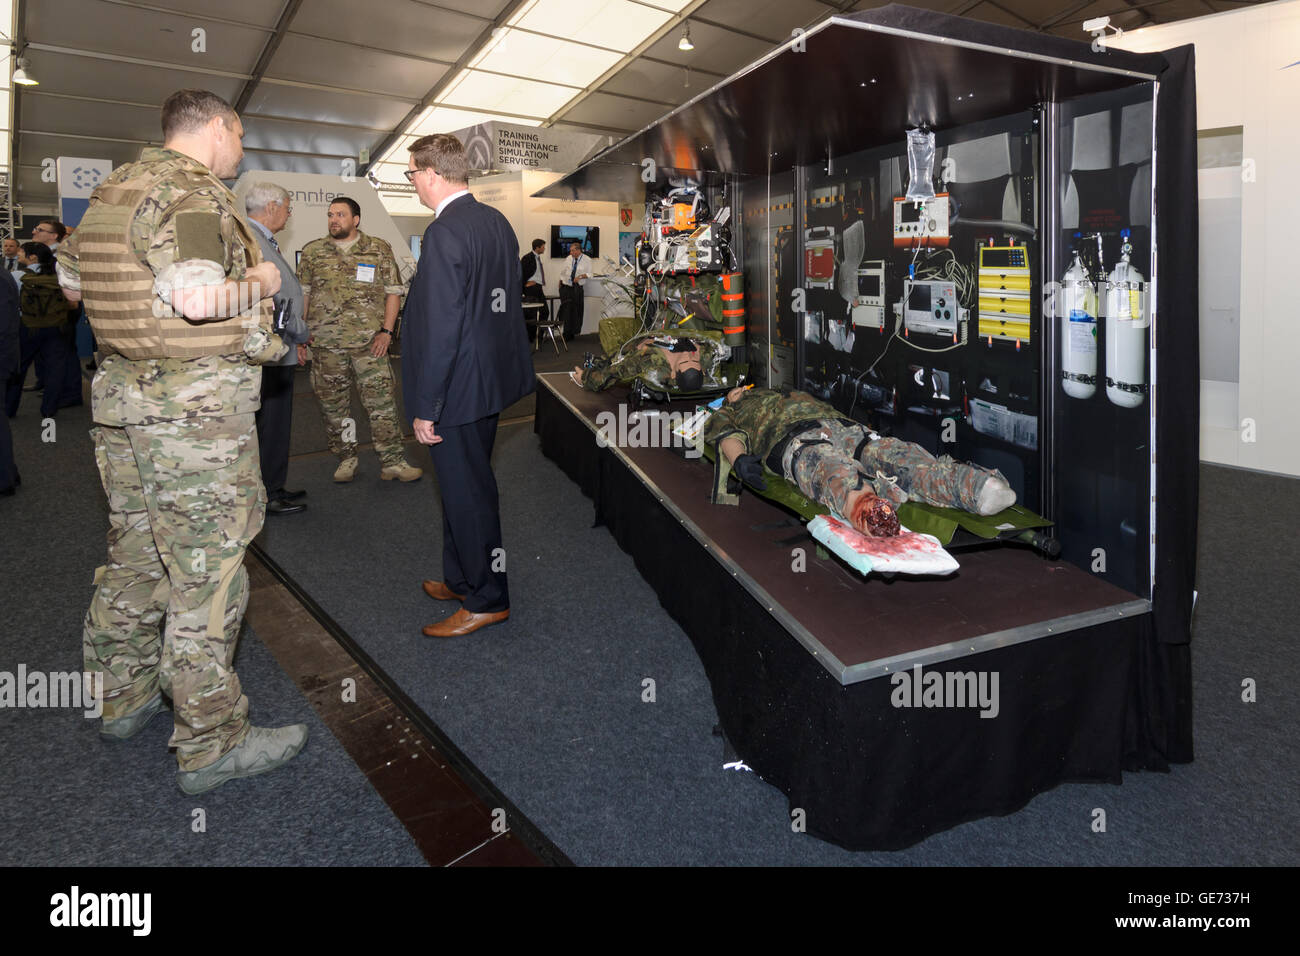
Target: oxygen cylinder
x=1077 y=308
x=1126 y=332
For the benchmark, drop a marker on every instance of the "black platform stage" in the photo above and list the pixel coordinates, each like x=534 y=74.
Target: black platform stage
x=796 y=658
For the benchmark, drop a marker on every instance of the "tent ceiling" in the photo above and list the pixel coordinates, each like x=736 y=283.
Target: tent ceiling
x=320 y=81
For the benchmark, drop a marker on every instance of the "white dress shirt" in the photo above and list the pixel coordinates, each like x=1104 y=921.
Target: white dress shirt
x=567 y=271
x=452 y=198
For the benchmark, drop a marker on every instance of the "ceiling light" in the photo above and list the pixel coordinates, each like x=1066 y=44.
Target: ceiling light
x=685 y=43
x=21 y=76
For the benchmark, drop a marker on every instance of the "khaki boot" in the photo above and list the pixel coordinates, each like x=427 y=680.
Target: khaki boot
x=262 y=750
x=123 y=728
x=346 y=470
x=402 y=472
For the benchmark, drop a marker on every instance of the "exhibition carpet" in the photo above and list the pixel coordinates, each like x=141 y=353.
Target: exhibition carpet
x=551 y=705
x=309 y=430
x=72 y=799
x=554 y=706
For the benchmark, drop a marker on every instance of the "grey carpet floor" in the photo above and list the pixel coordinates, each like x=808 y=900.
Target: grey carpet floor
x=68 y=797
x=549 y=704
x=309 y=429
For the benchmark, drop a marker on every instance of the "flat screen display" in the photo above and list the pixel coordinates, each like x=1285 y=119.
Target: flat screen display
x=561 y=236
x=869 y=285
x=919 y=298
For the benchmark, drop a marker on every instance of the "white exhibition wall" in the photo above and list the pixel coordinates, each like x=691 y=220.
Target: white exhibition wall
x=311 y=194
x=1247 y=76
x=511 y=193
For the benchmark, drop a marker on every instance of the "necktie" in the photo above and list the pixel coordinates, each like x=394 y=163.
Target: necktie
x=274 y=245
x=573 y=273
x=541 y=271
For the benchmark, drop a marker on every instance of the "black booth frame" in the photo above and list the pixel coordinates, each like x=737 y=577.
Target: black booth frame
x=878 y=777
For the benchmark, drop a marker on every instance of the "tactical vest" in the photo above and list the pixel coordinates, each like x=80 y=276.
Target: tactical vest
x=117 y=288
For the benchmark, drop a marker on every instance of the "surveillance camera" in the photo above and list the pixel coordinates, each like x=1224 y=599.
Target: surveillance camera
x=1096 y=24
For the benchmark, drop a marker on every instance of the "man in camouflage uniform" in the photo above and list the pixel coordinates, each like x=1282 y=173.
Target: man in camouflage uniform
x=685 y=364
x=352 y=290
x=175 y=439
x=840 y=463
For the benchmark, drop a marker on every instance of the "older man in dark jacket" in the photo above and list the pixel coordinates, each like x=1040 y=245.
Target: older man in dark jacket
x=268 y=207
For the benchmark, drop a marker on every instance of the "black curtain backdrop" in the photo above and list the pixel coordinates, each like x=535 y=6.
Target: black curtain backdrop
x=1165 y=665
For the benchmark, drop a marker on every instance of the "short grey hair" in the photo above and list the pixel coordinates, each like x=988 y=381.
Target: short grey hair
x=261 y=195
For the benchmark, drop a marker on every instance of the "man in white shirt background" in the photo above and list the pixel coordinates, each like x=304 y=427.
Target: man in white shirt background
x=574 y=271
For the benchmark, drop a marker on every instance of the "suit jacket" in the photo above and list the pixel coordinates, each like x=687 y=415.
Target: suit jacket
x=9 y=323
x=527 y=267
x=295 y=326
x=465 y=352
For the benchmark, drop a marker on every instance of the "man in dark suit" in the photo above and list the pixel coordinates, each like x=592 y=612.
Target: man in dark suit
x=532 y=272
x=465 y=357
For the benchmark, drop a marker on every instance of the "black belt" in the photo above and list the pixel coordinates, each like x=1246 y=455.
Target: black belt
x=777 y=454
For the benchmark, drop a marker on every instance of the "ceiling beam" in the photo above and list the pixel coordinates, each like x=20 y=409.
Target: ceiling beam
x=20 y=41
x=463 y=13
x=229 y=74
x=1147 y=16
x=247 y=116
x=268 y=51
x=744 y=33
x=158 y=142
x=438 y=88
x=678 y=66
x=137 y=61
x=1010 y=13
x=1069 y=14
x=1065 y=15
x=190 y=15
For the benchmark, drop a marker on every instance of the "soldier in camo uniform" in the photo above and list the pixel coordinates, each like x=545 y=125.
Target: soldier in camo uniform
x=352 y=290
x=686 y=364
x=840 y=463
x=174 y=286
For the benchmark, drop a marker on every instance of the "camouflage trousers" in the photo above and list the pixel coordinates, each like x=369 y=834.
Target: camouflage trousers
x=185 y=498
x=333 y=372
x=649 y=365
x=827 y=465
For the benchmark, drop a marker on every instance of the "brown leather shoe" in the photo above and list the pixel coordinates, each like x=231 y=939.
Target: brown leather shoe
x=464 y=622
x=440 y=592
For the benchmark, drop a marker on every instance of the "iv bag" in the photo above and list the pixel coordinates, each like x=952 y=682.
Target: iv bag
x=920 y=165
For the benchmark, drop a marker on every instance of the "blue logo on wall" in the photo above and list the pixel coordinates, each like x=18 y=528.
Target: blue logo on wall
x=86 y=178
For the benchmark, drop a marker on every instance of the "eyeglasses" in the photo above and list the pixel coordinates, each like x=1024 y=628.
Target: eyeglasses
x=410 y=174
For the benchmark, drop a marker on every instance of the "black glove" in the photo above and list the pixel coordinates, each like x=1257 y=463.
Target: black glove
x=750 y=470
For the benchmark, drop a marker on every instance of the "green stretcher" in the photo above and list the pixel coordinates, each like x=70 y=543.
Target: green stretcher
x=642 y=391
x=955 y=529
